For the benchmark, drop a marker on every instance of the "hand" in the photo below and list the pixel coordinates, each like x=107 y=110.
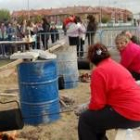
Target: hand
x=80 y=109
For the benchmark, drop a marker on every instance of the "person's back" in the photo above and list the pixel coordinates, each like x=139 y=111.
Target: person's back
x=73 y=33
x=122 y=93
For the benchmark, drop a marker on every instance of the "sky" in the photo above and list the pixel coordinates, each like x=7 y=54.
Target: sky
x=133 y=5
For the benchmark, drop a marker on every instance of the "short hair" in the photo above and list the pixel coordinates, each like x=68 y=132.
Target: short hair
x=124 y=32
x=122 y=37
x=91 y=18
x=97 y=53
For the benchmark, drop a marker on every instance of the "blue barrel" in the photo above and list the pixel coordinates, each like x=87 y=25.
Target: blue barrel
x=38 y=84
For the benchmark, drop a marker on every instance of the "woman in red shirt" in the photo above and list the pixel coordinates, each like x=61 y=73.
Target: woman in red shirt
x=130 y=54
x=115 y=97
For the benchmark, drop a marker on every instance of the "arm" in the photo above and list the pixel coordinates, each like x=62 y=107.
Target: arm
x=98 y=90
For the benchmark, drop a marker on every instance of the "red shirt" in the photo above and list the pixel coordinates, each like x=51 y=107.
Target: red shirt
x=130 y=57
x=112 y=84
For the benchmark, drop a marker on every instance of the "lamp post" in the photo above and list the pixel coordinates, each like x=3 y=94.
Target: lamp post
x=28 y=8
x=100 y=8
x=115 y=9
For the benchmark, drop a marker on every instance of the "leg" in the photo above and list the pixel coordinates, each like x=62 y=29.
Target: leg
x=92 y=39
x=93 y=124
x=81 y=47
x=88 y=39
x=78 y=45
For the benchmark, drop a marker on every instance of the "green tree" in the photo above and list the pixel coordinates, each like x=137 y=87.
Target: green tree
x=105 y=19
x=36 y=18
x=4 y=15
x=21 y=18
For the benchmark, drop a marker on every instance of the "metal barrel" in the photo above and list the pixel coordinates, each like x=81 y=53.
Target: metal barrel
x=67 y=66
x=38 y=84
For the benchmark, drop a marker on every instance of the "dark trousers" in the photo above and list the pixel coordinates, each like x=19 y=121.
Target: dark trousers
x=73 y=41
x=80 y=47
x=93 y=124
x=90 y=39
x=135 y=75
x=45 y=40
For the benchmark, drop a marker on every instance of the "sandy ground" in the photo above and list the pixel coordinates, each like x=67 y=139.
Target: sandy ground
x=63 y=129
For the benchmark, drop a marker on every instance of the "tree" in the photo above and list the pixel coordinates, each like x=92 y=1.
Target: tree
x=21 y=18
x=105 y=19
x=36 y=18
x=4 y=15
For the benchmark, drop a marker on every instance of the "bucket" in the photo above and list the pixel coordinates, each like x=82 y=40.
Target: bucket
x=38 y=84
x=67 y=65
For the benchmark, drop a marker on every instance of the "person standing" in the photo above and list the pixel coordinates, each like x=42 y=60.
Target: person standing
x=23 y=27
x=54 y=33
x=82 y=32
x=72 y=30
x=3 y=32
x=114 y=101
x=45 y=33
x=91 y=29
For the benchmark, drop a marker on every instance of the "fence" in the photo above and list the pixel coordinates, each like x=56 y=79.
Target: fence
x=46 y=40
x=107 y=36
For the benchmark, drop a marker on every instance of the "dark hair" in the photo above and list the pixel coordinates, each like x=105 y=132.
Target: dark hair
x=78 y=19
x=45 y=20
x=97 y=53
x=91 y=18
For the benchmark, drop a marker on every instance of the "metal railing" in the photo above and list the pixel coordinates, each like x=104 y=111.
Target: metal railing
x=46 y=40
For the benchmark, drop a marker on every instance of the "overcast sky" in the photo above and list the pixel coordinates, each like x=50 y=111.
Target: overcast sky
x=133 y=5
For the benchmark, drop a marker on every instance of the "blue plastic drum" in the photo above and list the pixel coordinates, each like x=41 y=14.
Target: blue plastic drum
x=38 y=84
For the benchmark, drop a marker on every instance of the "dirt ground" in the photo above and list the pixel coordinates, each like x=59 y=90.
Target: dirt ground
x=63 y=129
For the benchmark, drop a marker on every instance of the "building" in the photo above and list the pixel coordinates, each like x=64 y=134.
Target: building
x=57 y=15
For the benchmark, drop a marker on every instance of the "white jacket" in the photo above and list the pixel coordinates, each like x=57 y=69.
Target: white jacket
x=72 y=29
x=82 y=30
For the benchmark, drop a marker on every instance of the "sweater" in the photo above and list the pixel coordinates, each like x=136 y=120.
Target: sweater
x=112 y=85
x=130 y=57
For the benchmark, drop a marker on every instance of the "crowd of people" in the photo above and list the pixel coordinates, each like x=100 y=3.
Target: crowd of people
x=46 y=30
x=42 y=31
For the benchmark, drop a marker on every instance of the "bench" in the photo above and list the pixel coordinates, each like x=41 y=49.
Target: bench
x=121 y=134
